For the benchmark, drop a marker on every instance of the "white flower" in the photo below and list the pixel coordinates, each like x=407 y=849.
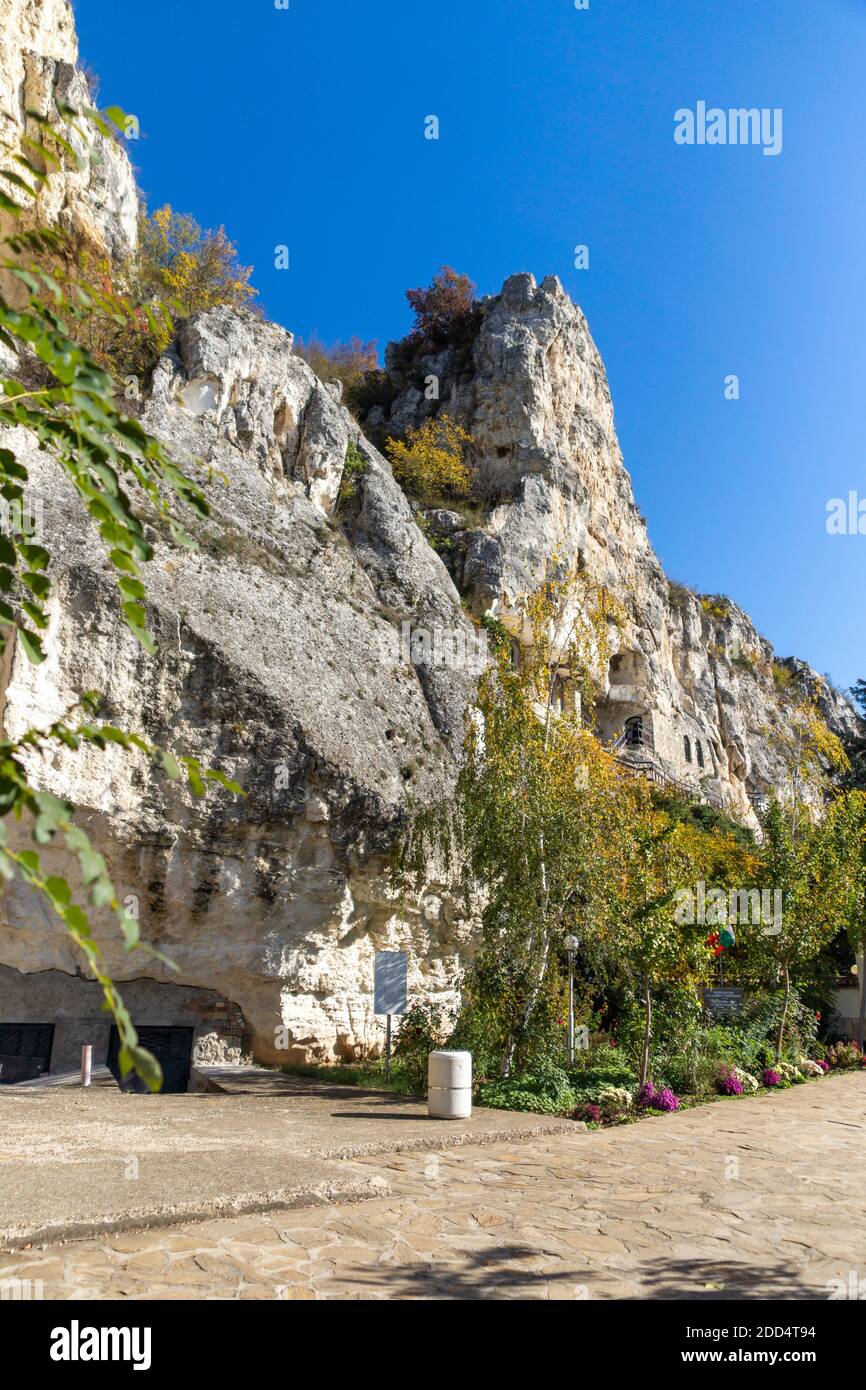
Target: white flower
x=615 y=1098
x=811 y=1068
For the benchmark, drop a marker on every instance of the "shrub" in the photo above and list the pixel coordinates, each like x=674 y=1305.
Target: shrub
x=354 y=468
x=789 y=1072
x=651 y=1099
x=665 y=1100
x=843 y=1055
x=124 y=333
x=125 y=313
x=590 y=1082
x=349 y=363
x=372 y=388
x=716 y=606
x=442 y=309
x=749 y=659
x=770 y=1078
x=545 y=1092
x=430 y=464
x=192 y=268
x=730 y=1084
x=614 y=1101
x=423 y=1028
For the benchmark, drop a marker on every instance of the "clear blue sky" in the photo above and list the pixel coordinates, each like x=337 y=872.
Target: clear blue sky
x=305 y=127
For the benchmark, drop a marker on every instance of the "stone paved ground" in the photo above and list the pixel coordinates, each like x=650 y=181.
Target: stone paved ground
x=75 y=1162
x=761 y=1197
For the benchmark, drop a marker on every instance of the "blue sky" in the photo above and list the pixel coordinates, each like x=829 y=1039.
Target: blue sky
x=305 y=127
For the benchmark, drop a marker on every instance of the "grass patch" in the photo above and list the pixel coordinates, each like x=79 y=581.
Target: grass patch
x=369 y=1075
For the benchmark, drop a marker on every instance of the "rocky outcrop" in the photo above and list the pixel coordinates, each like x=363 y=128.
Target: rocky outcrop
x=96 y=203
x=280 y=662
x=705 y=686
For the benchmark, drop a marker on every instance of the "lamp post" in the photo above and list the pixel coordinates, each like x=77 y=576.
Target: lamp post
x=571 y=945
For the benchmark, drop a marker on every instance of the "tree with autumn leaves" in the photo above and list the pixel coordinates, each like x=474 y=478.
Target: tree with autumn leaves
x=845 y=849
x=563 y=842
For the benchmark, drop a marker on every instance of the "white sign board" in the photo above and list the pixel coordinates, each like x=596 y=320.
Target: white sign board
x=389 y=988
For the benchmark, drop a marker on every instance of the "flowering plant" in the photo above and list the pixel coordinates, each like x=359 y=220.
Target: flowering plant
x=811 y=1068
x=789 y=1072
x=614 y=1099
x=750 y=1082
x=730 y=1084
x=770 y=1077
x=666 y=1100
x=844 y=1054
x=651 y=1099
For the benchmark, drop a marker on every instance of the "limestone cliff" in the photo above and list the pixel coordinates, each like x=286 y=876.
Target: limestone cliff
x=281 y=652
x=96 y=204
x=694 y=672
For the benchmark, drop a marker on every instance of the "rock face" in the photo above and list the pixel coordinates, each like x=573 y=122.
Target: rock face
x=288 y=653
x=694 y=671
x=98 y=203
x=281 y=662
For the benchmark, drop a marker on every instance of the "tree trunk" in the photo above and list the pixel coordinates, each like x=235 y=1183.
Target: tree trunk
x=780 y=1037
x=861 y=970
x=647 y=1032
x=517 y=1033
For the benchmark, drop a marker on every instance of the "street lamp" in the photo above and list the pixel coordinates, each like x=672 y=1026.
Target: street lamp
x=572 y=944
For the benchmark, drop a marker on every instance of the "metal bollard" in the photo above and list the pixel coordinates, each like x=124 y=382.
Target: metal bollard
x=449 y=1085
x=86 y=1063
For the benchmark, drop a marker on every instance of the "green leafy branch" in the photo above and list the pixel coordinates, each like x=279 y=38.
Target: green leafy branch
x=75 y=417
x=71 y=413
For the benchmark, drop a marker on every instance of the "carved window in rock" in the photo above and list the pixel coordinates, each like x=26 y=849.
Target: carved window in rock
x=699 y=749
x=562 y=695
x=633 y=735
x=687 y=747
x=514 y=654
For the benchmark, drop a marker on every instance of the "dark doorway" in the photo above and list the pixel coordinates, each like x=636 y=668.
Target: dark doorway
x=172 y=1048
x=25 y=1051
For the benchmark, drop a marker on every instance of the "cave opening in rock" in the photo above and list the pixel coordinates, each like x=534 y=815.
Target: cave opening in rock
x=172 y=1048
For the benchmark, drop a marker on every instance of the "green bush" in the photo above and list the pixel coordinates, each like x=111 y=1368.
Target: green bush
x=544 y=1092
x=599 y=1075
x=423 y=1029
x=354 y=468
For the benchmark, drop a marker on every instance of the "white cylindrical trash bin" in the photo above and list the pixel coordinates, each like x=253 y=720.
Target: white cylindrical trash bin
x=449 y=1085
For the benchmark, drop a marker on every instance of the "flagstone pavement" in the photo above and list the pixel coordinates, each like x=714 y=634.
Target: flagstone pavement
x=759 y=1197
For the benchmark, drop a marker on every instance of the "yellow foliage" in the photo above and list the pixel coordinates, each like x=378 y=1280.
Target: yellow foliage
x=430 y=464
x=125 y=313
x=192 y=268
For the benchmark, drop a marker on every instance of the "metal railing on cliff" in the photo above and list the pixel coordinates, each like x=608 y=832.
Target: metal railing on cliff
x=646 y=766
